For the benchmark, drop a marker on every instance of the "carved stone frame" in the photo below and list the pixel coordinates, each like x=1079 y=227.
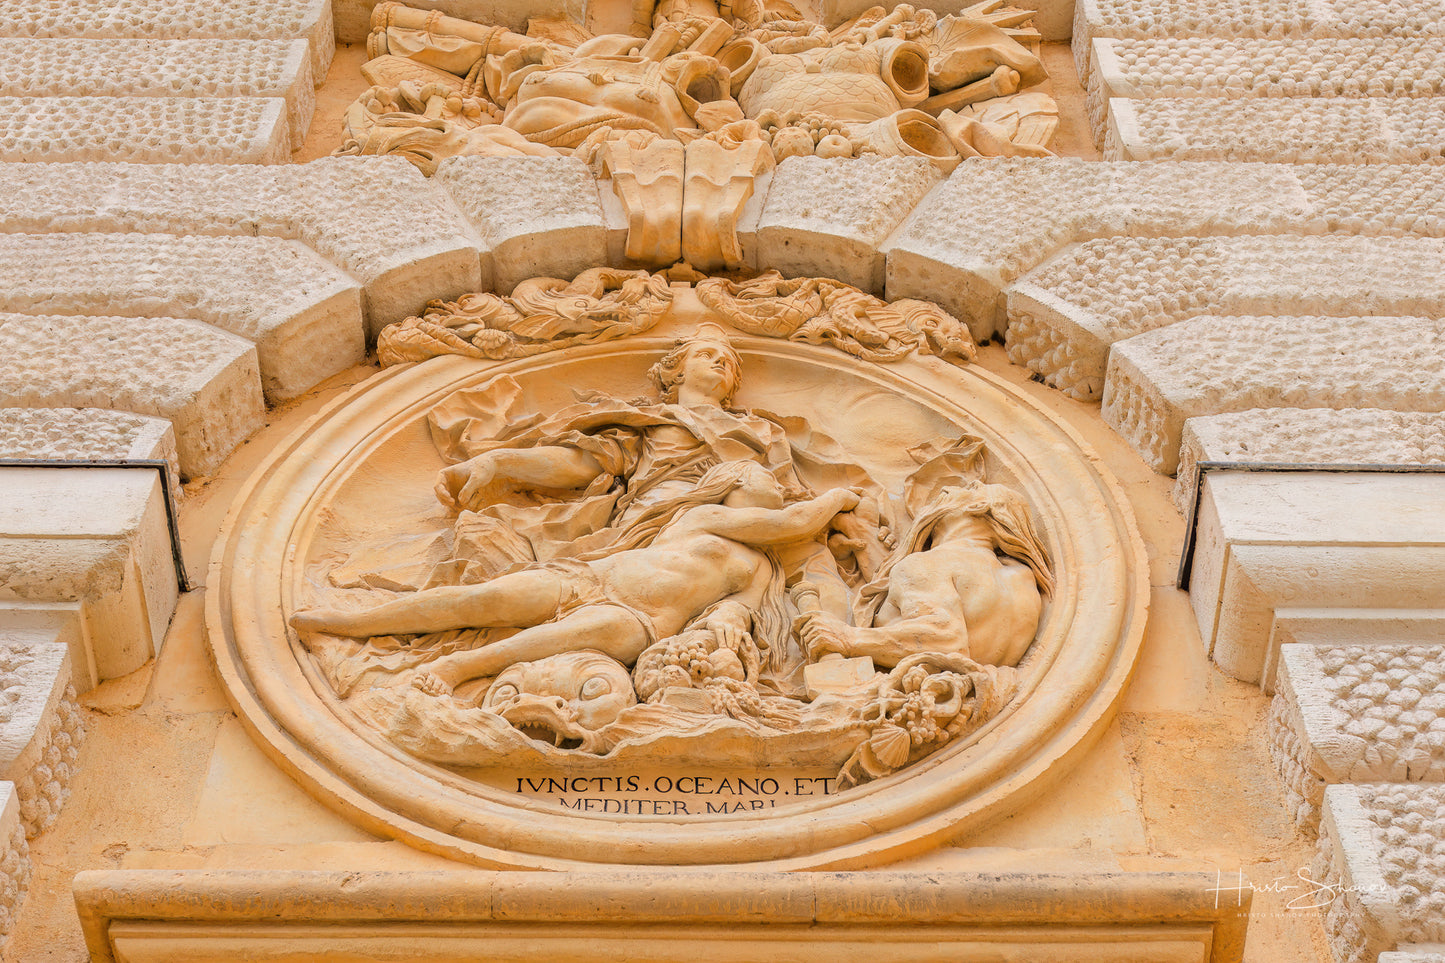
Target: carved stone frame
x=1078 y=668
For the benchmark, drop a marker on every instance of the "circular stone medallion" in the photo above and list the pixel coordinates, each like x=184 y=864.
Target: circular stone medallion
x=545 y=759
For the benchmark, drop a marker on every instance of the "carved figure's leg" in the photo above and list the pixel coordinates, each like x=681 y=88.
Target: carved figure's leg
x=608 y=629
x=521 y=599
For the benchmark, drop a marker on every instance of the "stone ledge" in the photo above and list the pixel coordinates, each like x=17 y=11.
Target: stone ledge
x=89 y=434
x=97 y=536
x=1207 y=366
x=1268 y=541
x=1308 y=436
x=160 y=917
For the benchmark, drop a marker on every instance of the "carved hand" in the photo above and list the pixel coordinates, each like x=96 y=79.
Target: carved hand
x=458 y=485
x=729 y=625
x=822 y=634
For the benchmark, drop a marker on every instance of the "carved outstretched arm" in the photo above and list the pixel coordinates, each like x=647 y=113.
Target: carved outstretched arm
x=778 y=526
x=542 y=467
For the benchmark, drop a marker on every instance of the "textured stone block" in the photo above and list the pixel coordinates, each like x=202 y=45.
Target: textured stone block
x=164 y=68
x=41 y=726
x=303 y=314
x=1309 y=436
x=97 y=536
x=829 y=217
x=1253 y=67
x=540 y=216
x=1380 y=130
x=1375 y=198
x=377 y=218
x=89 y=434
x=1157 y=381
x=1267 y=541
x=1381 y=852
x=203 y=380
x=992 y=221
x=1356 y=714
x=309 y=20
x=14 y=859
x=1066 y=314
x=1139 y=19
x=148 y=130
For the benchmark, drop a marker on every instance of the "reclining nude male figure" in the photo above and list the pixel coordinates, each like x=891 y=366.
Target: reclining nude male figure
x=714 y=549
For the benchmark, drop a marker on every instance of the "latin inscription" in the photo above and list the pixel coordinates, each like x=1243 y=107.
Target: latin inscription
x=673 y=795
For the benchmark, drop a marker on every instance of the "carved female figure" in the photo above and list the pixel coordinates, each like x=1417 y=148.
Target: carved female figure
x=947 y=589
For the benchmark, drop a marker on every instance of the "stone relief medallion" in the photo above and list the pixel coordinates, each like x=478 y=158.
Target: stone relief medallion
x=647 y=569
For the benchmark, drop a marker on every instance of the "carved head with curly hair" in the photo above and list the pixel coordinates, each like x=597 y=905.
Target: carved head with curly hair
x=704 y=362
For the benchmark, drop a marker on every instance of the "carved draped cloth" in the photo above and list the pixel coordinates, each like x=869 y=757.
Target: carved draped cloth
x=641 y=464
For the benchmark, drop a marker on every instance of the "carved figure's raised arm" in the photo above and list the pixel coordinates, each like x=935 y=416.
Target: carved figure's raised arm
x=459 y=485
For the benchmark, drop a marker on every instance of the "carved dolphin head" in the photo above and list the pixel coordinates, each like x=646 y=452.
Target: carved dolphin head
x=563 y=699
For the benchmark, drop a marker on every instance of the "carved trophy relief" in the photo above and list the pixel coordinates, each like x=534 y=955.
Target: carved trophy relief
x=672 y=577
x=758 y=81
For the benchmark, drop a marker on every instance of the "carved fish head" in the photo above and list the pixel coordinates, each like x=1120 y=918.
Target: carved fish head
x=563 y=699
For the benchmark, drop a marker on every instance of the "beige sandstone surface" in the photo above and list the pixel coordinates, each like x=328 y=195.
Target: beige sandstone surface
x=1098 y=278
x=169 y=780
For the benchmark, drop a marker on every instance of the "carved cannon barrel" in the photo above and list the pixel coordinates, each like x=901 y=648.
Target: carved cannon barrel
x=905 y=70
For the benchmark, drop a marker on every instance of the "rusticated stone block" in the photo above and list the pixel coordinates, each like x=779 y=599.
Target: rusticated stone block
x=1105 y=291
x=309 y=20
x=1157 y=19
x=1205 y=366
x=203 y=380
x=540 y=216
x=145 y=130
x=50 y=67
x=1251 y=67
x=955 y=250
x=1324 y=130
x=1381 y=852
x=41 y=726
x=1356 y=714
x=303 y=315
x=829 y=217
x=377 y=218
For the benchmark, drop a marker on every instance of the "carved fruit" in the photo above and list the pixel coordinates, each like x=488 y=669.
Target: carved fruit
x=792 y=142
x=834 y=145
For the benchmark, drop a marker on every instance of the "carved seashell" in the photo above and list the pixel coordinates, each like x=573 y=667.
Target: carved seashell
x=890 y=745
